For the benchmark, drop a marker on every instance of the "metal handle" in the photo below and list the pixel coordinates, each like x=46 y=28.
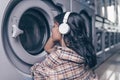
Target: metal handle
x=16 y=31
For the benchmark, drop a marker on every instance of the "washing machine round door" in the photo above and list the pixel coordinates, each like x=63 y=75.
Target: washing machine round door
x=25 y=32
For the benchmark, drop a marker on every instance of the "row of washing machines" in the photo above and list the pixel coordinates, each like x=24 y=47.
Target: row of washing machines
x=25 y=26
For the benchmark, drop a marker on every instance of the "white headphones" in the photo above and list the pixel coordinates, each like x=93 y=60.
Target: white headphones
x=64 y=27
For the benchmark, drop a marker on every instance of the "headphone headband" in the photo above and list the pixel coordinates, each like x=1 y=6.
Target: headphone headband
x=66 y=17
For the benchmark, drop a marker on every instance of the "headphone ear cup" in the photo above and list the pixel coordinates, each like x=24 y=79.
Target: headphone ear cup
x=64 y=28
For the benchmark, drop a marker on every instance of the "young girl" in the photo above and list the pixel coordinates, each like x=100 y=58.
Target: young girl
x=71 y=54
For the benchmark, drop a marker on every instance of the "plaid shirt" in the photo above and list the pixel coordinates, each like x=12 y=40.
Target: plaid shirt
x=62 y=64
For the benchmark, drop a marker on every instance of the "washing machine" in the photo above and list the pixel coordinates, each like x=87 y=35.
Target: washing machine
x=24 y=29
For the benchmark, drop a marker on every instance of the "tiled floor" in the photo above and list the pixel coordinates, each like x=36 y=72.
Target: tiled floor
x=110 y=69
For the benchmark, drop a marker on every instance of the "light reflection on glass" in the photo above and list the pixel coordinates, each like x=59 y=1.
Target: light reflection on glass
x=111 y=13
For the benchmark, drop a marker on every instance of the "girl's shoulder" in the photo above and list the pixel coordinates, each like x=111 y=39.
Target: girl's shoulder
x=66 y=53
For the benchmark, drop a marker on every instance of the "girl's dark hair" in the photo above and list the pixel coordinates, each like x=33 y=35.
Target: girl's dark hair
x=77 y=38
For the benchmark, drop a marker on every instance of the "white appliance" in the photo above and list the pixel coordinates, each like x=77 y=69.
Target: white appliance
x=24 y=29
